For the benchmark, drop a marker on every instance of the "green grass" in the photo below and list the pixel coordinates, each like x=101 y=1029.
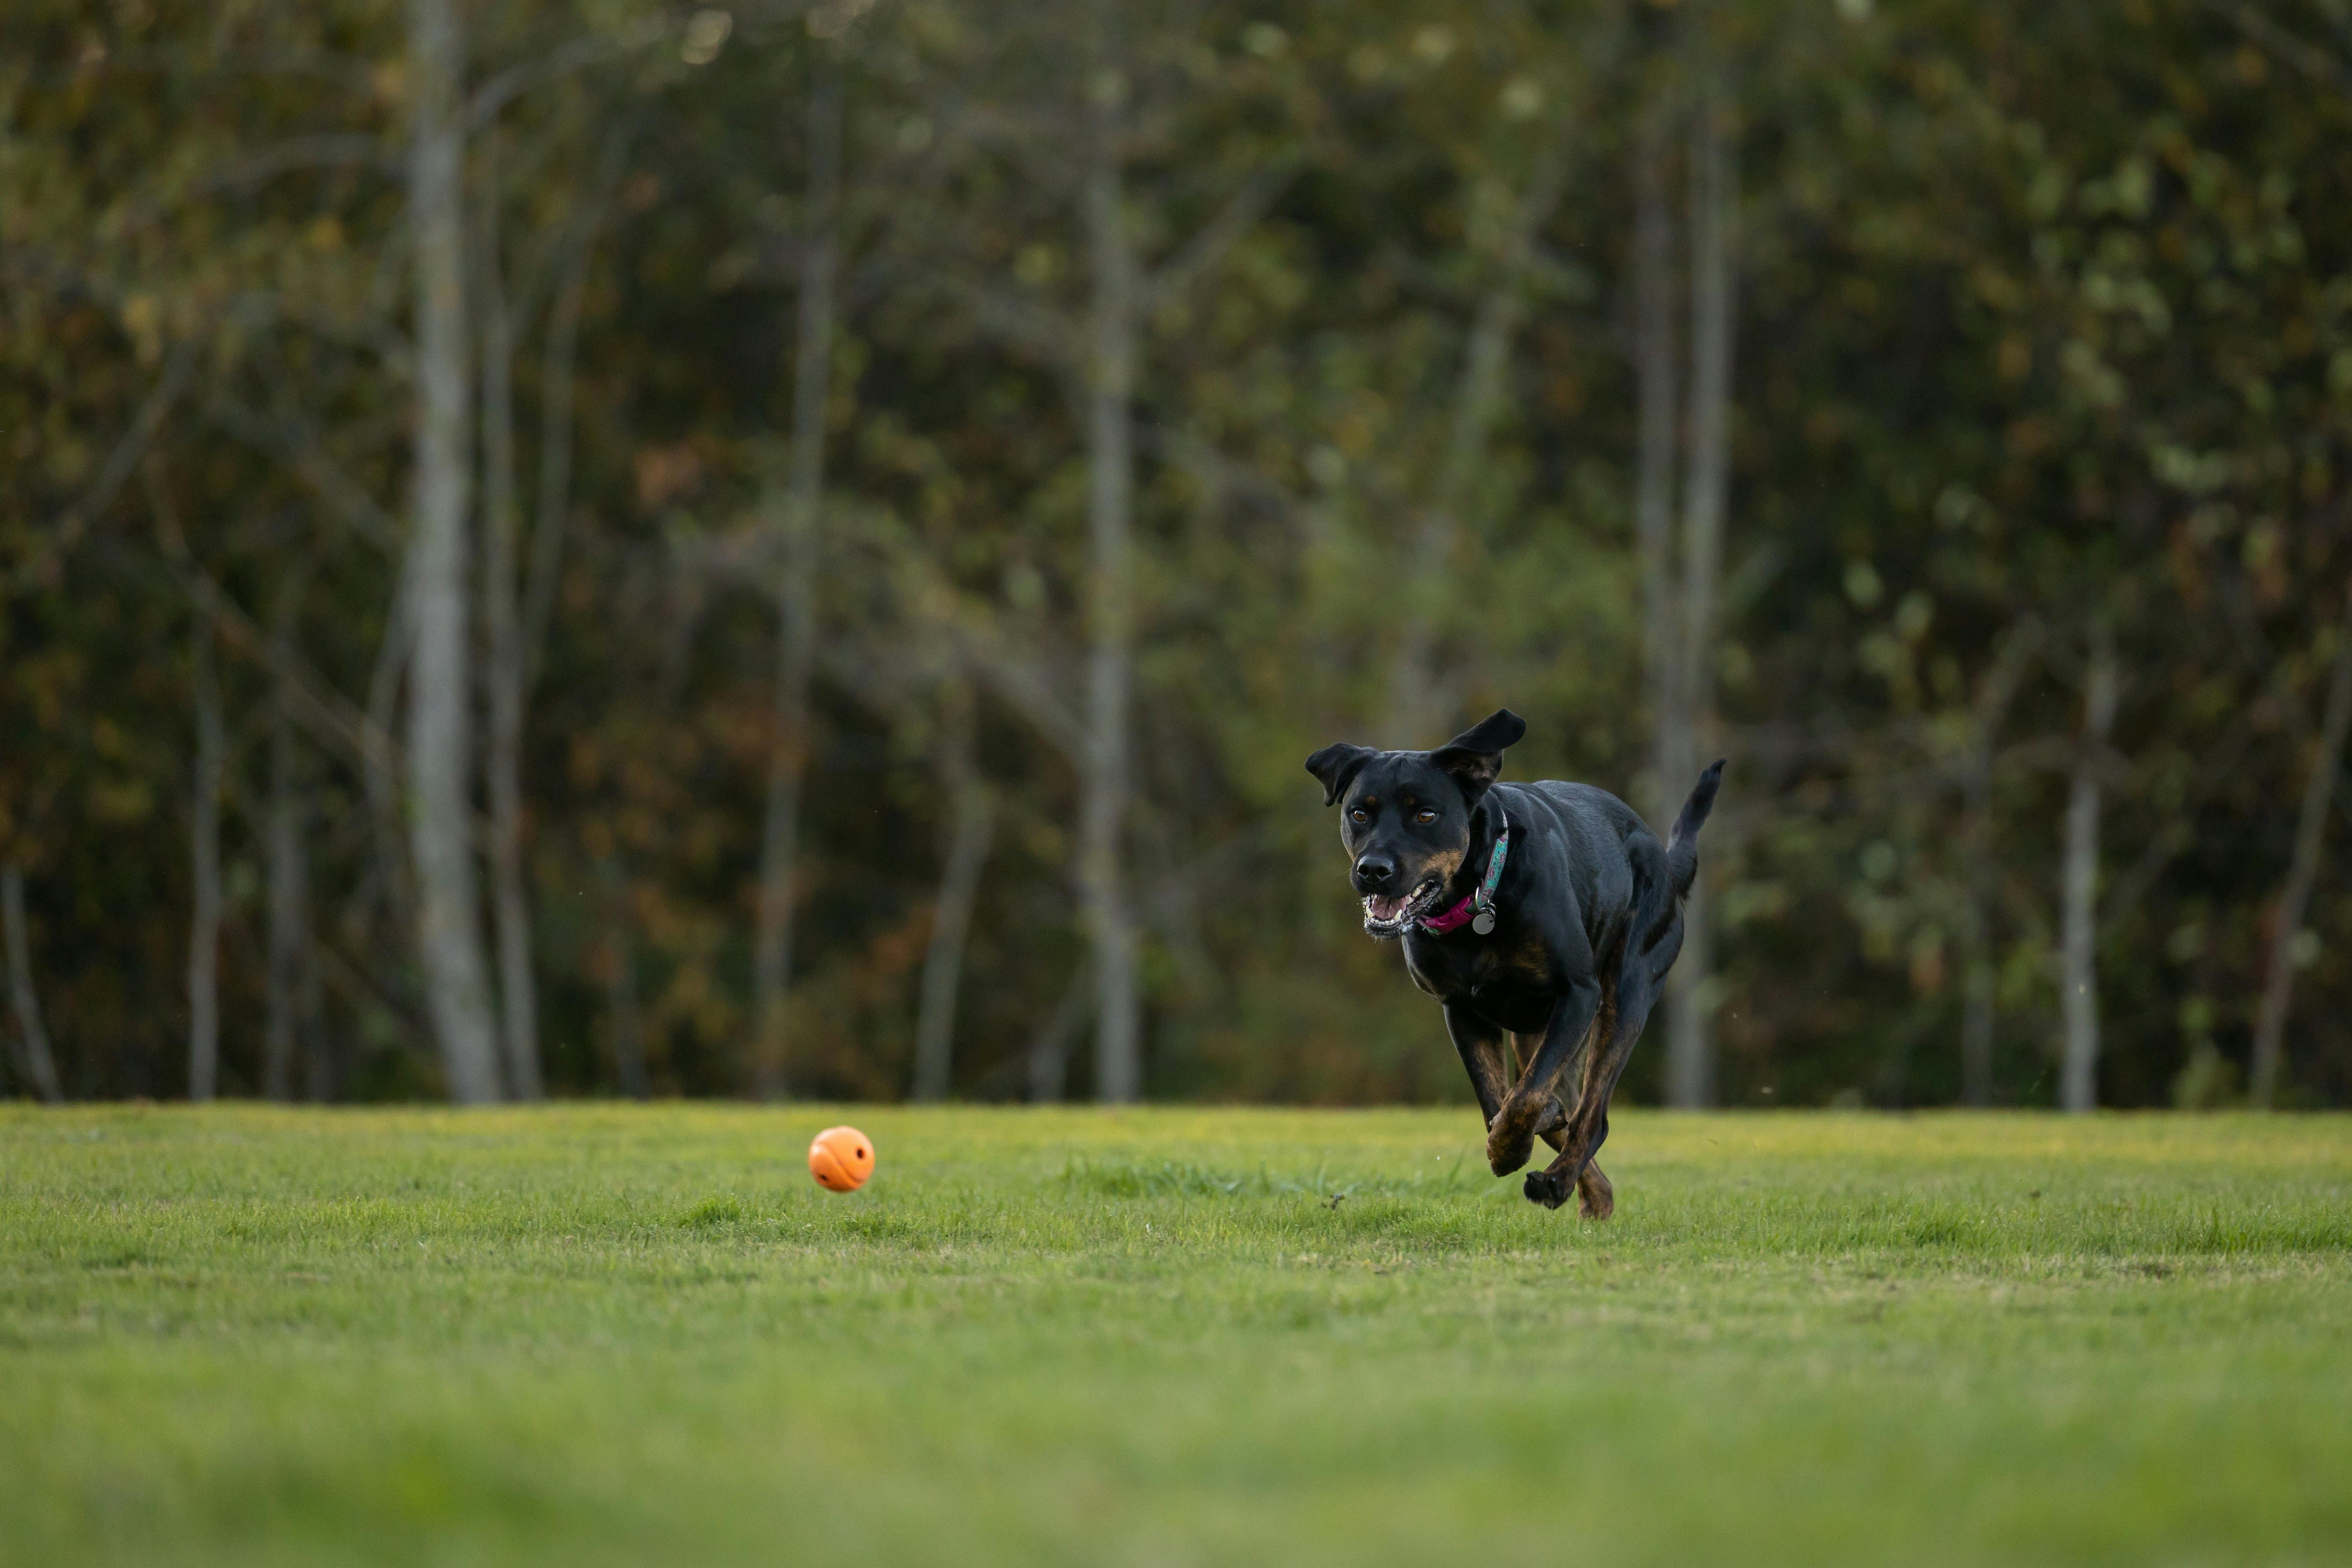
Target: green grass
x=606 y=1335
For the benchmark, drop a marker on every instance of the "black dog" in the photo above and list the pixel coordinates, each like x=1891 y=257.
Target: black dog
x=1562 y=938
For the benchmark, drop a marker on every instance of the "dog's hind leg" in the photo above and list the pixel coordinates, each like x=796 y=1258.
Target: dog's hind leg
x=1641 y=965
x=1595 y=1198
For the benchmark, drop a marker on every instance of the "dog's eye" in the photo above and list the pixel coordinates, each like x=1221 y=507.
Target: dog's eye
x=1424 y=816
x=1359 y=815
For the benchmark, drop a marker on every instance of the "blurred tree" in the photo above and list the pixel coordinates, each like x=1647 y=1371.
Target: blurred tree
x=972 y=818
x=1686 y=583
x=2288 y=936
x=290 y=1027
x=1202 y=385
x=204 y=837
x=35 y=1059
x=798 y=516
x=440 y=708
x=2078 y=966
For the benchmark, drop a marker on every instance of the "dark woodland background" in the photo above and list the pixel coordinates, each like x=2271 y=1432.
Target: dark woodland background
x=578 y=549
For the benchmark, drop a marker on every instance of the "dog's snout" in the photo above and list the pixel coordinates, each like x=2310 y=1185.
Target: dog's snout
x=1374 y=872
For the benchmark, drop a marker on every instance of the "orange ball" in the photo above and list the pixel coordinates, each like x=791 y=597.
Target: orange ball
x=841 y=1159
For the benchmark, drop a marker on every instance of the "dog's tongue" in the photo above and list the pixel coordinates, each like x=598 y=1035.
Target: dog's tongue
x=1385 y=908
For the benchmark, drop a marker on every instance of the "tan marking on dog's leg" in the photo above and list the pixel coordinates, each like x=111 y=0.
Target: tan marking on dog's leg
x=1551 y=1123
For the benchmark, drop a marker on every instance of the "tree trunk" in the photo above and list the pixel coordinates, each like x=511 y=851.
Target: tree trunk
x=1049 y=1048
x=502 y=759
x=1657 y=397
x=39 y=1063
x=1706 y=485
x=2079 y=971
x=324 y=1053
x=204 y=926
x=796 y=589
x=2302 y=871
x=387 y=876
x=621 y=984
x=1977 y=979
x=288 y=878
x=1110 y=589
x=967 y=854
x=1417 y=705
x=559 y=357
x=449 y=937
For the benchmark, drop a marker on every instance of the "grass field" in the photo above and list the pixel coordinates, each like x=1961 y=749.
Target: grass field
x=608 y=1334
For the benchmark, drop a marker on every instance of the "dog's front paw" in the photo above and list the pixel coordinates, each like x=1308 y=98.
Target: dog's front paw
x=1550 y=1188
x=1511 y=1140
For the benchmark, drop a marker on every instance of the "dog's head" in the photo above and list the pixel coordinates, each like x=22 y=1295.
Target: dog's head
x=1405 y=816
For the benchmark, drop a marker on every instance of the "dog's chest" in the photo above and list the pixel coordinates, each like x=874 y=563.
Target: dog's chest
x=1504 y=981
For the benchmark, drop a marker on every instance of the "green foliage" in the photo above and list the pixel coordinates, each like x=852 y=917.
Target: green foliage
x=2046 y=318
x=621 y=1334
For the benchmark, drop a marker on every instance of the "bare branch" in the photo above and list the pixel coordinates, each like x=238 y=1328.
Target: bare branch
x=1220 y=473
x=559 y=357
x=1240 y=214
x=351 y=72
x=43 y=568
x=291 y=441
x=326 y=149
x=1017 y=677
x=492 y=97
x=328 y=714
x=2276 y=41
x=1020 y=321
x=323 y=151
x=1033 y=141
x=360 y=986
x=1023 y=687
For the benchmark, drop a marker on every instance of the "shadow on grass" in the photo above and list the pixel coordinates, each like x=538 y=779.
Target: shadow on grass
x=1174 y=1178
x=1814 y=1225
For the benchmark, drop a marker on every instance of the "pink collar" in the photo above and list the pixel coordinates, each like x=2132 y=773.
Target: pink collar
x=1476 y=912
x=1459 y=915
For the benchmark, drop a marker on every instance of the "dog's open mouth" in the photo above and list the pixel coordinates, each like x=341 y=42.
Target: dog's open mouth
x=1388 y=917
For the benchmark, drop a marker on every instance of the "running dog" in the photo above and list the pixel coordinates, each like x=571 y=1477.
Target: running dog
x=1547 y=910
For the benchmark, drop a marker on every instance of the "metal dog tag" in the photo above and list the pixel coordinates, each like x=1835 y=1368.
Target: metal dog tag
x=1483 y=923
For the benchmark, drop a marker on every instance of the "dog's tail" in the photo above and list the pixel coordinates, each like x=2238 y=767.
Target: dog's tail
x=1682 y=845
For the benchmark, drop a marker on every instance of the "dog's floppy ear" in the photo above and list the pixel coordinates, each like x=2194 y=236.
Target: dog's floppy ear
x=1474 y=757
x=1337 y=767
